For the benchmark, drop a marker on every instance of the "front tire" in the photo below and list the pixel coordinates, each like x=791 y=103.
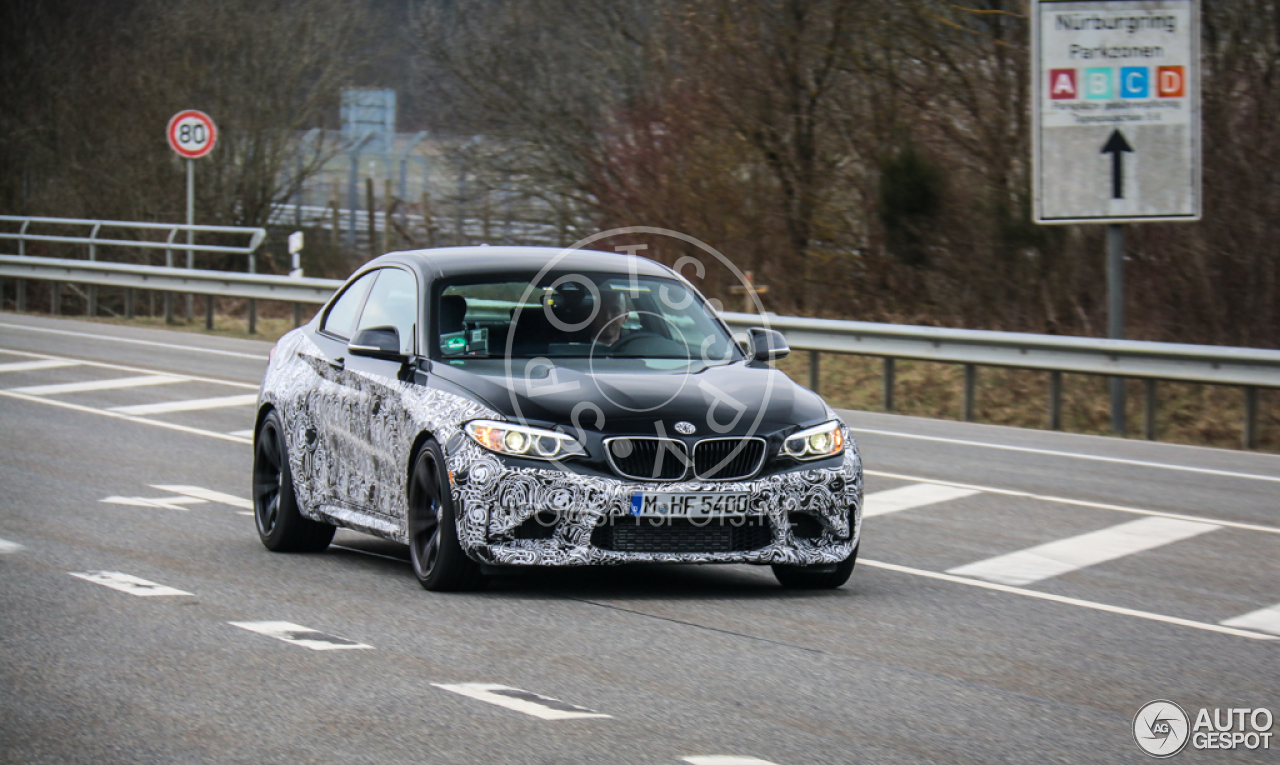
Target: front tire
x=822 y=577
x=281 y=527
x=438 y=560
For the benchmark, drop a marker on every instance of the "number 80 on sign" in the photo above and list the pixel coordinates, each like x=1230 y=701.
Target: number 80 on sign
x=191 y=134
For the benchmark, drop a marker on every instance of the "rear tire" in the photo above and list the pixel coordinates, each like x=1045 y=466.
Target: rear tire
x=438 y=560
x=281 y=527
x=821 y=577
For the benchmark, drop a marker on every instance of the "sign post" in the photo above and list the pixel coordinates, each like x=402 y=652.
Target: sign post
x=191 y=135
x=1116 y=124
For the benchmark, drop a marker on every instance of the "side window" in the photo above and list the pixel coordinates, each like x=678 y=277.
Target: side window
x=341 y=319
x=393 y=302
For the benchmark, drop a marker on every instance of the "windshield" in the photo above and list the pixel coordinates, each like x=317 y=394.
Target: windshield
x=575 y=315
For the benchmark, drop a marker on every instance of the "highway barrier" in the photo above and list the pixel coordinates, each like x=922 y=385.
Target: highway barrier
x=1248 y=368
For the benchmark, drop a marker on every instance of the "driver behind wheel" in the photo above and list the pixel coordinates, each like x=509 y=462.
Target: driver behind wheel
x=606 y=325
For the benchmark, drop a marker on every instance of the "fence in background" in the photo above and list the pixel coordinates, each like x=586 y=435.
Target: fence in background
x=26 y=235
x=1248 y=368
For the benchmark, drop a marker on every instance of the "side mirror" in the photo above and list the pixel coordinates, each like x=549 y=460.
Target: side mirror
x=767 y=344
x=378 y=342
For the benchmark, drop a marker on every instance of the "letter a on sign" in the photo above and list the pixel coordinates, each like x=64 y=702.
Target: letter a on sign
x=1062 y=83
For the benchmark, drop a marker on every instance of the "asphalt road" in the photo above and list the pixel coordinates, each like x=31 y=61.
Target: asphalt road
x=1018 y=656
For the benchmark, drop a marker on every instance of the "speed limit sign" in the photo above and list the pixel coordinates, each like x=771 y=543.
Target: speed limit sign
x=191 y=134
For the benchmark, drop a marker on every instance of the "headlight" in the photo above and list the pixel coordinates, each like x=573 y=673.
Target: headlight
x=521 y=441
x=815 y=443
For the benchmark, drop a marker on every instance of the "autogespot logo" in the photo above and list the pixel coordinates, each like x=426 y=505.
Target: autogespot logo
x=1160 y=728
x=1163 y=729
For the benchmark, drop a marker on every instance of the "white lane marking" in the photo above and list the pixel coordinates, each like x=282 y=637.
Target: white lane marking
x=169 y=503
x=244 y=512
x=129 y=417
x=122 y=368
x=725 y=759
x=534 y=704
x=299 y=635
x=242 y=433
x=1264 y=619
x=126 y=583
x=190 y=405
x=208 y=494
x=8 y=548
x=115 y=383
x=31 y=366
x=908 y=497
x=1072 y=455
x=1082 y=502
x=133 y=341
x=1092 y=605
x=1064 y=555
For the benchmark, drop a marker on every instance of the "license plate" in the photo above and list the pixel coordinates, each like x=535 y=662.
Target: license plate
x=701 y=505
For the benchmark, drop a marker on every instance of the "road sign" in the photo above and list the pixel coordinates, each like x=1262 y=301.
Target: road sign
x=191 y=134
x=1116 y=106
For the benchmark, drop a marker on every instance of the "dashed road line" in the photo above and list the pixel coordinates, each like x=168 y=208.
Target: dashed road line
x=129 y=417
x=9 y=548
x=725 y=759
x=910 y=497
x=126 y=583
x=123 y=368
x=1092 y=605
x=190 y=405
x=241 y=433
x=296 y=634
x=1065 y=555
x=1264 y=619
x=1080 y=502
x=168 y=503
x=133 y=341
x=543 y=707
x=32 y=366
x=208 y=495
x=1072 y=455
x=116 y=383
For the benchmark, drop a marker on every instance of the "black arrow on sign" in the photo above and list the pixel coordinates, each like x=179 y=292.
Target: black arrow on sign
x=1116 y=146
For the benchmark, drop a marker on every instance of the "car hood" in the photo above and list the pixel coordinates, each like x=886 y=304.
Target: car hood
x=638 y=396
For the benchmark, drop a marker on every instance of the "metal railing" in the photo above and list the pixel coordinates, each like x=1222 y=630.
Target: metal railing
x=1248 y=368
x=24 y=236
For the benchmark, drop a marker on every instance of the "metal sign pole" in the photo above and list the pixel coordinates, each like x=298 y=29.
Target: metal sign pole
x=191 y=221
x=1115 y=316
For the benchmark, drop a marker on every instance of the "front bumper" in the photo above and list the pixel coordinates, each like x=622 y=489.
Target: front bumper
x=498 y=504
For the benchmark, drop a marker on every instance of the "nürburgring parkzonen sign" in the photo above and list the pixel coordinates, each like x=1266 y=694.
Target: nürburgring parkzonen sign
x=1116 y=102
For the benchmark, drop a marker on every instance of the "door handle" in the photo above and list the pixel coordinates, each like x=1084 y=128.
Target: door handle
x=338 y=363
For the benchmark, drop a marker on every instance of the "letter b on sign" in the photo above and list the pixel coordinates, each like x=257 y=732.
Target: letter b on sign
x=1171 y=82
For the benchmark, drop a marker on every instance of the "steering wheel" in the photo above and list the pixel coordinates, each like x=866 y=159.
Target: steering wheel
x=623 y=344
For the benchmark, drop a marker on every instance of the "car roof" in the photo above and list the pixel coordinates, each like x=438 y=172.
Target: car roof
x=454 y=261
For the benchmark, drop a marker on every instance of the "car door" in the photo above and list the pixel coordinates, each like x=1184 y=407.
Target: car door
x=332 y=403
x=383 y=424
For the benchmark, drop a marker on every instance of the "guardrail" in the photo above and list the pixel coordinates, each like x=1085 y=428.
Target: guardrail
x=24 y=236
x=1247 y=368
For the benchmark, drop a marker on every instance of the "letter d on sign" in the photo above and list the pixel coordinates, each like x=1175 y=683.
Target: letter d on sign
x=1171 y=82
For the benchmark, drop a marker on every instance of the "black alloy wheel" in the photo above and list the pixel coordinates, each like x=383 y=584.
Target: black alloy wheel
x=437 y=557
x=281 y=527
